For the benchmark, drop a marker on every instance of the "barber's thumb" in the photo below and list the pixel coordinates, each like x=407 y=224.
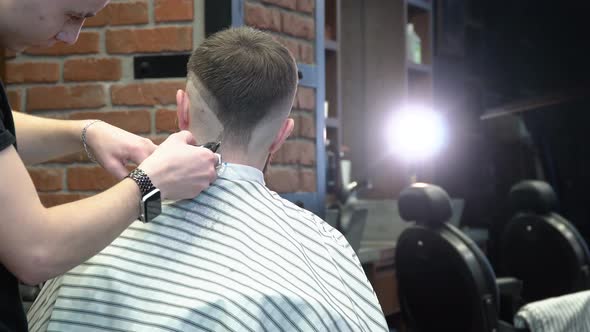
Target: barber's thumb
x=186 y=137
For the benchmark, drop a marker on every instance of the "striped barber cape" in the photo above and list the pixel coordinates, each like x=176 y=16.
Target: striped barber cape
x=236 y=258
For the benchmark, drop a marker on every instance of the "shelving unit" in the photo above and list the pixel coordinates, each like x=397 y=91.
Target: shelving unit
x=332 y=123
x=419 y=75
x=333 y=131
x=416 y=68
x=331 y=45
x=422 y=4
x=368 y=78
x=378 y=78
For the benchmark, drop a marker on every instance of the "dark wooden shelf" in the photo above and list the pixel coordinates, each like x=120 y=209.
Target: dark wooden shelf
x=420 y=4
x=331 y=45
x=419 y=68
x=332 y=123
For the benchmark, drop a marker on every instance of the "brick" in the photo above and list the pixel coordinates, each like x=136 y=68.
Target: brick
x=262 y=17
x=89 y=178
x=65 y=97
x=9 y=54
x=146 y=94
x=290 y=4
x=291 y=45
x=14 y=98
x=54 y=199
x=296 y=152
x=97 y=69
x=138 y=122
x=295 y=100
x=161 y=39
x=282 y=180
x=287 y=154
x=173 y=10
x=307 y=153
x=305 y=126
x=101 y=19
x=298 y=25
x=297 y=125
x=32 y=72
x=47 y=179
x=306 y=6
x=307 y=178
x=306 y=53
x=120 y=13
x=158 y=139
x=166 y=121
x=305 y=98
x=78 y=157
x=87 y=43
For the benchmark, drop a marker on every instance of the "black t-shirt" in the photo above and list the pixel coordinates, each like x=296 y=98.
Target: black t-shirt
x=12 y=315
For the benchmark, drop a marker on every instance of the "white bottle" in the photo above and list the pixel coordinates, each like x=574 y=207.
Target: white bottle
x=413 y=44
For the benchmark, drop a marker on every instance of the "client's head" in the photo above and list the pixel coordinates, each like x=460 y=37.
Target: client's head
x=240 y=90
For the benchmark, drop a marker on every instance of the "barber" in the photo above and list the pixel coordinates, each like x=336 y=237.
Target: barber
x=38 y=243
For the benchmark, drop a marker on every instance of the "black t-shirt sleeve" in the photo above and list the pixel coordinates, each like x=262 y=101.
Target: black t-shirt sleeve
x=6 y=137
x=7 y=131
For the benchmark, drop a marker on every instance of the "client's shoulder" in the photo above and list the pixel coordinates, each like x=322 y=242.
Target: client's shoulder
x=308 y=218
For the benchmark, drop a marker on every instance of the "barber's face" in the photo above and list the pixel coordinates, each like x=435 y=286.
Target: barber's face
x=45 y=22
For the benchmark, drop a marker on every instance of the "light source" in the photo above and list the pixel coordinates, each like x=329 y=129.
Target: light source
x=416 y=134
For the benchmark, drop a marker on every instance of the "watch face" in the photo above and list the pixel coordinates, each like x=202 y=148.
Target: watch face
x=152 y=205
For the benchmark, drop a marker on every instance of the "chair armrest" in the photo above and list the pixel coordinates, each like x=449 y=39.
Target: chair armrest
x=505 y=327
x=510 y=297
x=509 y=286
x=29 y=293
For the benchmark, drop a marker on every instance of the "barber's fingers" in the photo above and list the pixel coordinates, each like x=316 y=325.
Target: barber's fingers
x=116 y=168
x=183 y=136
x=141 y=150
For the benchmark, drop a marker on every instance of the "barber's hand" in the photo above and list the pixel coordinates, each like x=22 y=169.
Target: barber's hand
x=113 y=147
x=180 y=170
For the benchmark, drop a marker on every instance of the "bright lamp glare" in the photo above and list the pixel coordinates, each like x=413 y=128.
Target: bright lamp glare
x=417 y=134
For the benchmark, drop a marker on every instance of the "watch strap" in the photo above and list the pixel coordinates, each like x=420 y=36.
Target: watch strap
x=143 y=181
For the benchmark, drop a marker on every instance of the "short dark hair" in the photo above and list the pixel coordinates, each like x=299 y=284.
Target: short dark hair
x=246 y=74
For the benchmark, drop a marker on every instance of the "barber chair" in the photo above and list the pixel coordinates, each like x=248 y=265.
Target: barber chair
x=445 y=282
x=28 y=295
x=542 y=248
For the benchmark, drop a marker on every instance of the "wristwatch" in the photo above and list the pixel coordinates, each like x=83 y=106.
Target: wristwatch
x=150 y=205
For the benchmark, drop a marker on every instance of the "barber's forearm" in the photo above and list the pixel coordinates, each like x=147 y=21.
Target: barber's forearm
x=78 y=230
x=42 y=139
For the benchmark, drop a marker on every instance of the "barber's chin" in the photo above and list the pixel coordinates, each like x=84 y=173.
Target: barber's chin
x=20 y=47
x=47 y=43
x=16 y=48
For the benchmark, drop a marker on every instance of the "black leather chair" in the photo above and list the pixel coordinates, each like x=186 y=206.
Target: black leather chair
x=445 y=282
x=540 y=247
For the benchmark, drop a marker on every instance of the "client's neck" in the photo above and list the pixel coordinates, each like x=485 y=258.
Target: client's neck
x=230 y=154
x=233 y=149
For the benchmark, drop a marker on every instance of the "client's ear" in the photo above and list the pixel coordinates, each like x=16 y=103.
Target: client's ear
x=284 y=132
x=182 y=108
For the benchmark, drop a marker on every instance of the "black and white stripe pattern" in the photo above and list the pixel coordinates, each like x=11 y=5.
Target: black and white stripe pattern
x=236 y=258
x=568 y=313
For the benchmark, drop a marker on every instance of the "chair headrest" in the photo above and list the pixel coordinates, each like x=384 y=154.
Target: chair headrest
x=533 y=196
x=425 y=204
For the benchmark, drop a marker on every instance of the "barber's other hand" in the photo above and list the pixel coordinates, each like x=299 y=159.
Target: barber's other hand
x=113 y=147
x=180 y=170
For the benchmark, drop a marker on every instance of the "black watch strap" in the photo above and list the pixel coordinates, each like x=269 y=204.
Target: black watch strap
x=143 y=181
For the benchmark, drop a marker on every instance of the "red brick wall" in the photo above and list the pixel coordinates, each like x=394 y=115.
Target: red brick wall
x=94 y=79
x=292 y=22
